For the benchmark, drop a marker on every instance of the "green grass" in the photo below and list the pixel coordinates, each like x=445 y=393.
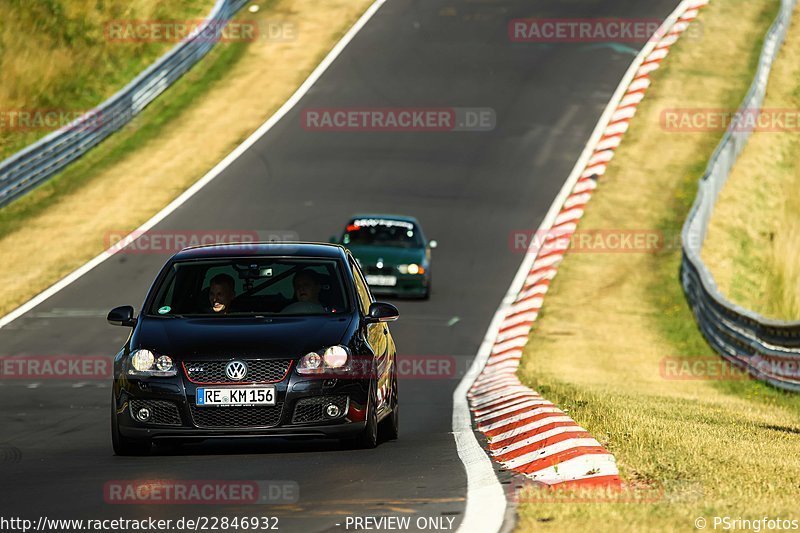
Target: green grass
x=754 y=233
x=54 y=54
x=143 y=129
x=722 y=447
x=189 y=129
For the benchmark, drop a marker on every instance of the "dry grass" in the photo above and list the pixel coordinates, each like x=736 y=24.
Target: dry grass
x=754 y=237
x=168 y=164
x=610 y=320
x=54 y=54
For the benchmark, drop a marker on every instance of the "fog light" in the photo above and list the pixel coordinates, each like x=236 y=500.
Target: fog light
x=143 y=415
x=332 y=410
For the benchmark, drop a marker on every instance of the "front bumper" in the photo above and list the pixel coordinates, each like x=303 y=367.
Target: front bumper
x=175 y=415
x=408 y=286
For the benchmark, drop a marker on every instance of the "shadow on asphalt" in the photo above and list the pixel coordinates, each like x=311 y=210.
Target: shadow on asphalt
x=271 y=446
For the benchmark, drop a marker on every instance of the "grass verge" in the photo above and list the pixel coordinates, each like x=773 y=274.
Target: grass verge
x=56 y=55
x=712 y=444
x=139 y=170
x=754 y=236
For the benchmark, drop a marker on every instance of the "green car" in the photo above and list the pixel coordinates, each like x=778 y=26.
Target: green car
x=393 y=253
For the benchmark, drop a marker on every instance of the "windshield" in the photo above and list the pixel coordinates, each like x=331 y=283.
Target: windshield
x=382 y=232
x=251 y=287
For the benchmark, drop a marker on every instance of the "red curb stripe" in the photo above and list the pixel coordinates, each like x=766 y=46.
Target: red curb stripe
x=503 y=362
x=560 y=457
x=513 y=413
x=561 y=437
x=590 y=482
x=496 y=445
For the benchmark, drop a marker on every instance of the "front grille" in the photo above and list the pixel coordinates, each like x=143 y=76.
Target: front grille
x=258 y=371
x=162 y=412
x=313 y=409
x=236 y=417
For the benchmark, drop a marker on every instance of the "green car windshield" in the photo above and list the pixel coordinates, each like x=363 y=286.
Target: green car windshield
x=242 y=287
x=382 y=232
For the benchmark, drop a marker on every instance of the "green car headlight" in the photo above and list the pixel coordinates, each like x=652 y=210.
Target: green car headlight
x=411 y=268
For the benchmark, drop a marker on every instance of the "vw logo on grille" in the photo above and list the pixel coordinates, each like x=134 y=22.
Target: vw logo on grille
x=236 y=370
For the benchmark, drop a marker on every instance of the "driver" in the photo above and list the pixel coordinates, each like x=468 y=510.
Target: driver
x=306 y=293
x=221 y=293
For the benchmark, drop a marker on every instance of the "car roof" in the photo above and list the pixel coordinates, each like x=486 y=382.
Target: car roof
x=255 y=249
x=402 y=218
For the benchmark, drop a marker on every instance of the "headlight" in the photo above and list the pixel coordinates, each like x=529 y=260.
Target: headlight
x=333 y=358
x=145 y=363
x=143 y=360
x=413 y=268
x=164 y=363
x=310 y=363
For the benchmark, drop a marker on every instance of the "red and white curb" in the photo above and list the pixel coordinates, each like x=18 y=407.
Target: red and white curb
x=526 y=433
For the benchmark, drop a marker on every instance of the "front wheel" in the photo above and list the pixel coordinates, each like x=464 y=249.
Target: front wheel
x=390 y=426
x=368 y=439
x=123 y=445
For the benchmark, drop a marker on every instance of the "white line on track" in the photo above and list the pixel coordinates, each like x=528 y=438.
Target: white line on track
x=486 y=502
x=213 y=173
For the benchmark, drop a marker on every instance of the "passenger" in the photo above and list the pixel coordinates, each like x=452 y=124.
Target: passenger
x=221 y=293
x=306 y=293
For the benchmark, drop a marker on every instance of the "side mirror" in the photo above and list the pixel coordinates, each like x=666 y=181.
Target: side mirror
x=122 y=316
x=433 y=244
x=382 y=312
x=333 y=240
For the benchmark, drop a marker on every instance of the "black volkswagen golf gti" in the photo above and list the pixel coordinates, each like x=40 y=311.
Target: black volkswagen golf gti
x=256 y=340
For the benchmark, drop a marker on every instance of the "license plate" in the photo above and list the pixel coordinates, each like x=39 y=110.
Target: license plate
x=248 y=396
x=382 y=281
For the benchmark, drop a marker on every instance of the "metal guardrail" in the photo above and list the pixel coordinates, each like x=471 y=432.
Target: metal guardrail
x=768 y=349
x=48 y=156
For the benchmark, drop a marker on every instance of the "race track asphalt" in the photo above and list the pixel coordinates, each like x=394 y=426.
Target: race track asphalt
x=470 y=190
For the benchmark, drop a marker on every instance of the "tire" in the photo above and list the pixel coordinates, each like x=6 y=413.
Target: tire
x=390 y=426
x=368 y=438
x=427 y=294
x=122 y=445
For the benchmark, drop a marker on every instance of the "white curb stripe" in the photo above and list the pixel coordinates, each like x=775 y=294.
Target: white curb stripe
x=551 y=415
x=503 y=405
x=584 y=467
x=548 y=451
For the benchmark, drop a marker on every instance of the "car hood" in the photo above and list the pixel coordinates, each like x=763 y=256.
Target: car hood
x=208 y=338
x=369 y=255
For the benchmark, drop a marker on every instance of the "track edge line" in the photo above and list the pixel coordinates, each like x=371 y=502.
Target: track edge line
x=486 y=505
x=301 y=91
